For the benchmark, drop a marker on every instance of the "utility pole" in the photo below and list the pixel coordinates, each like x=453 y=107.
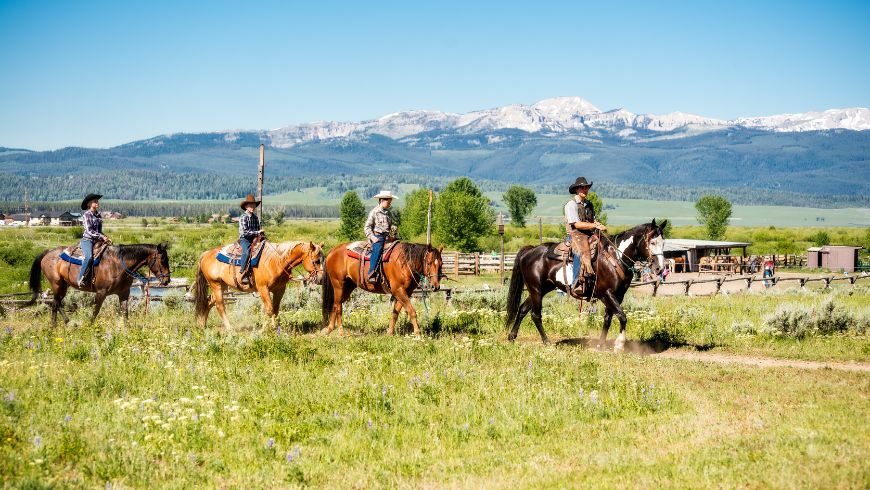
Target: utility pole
x=541 y=229
x=260 y=173
x=429 y=221
x=501 y=261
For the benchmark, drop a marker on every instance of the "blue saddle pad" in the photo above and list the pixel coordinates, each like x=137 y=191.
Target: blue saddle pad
x=222 y=256
x=77 y=261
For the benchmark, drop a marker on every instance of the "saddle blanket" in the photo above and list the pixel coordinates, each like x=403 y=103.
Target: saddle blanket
x=74 y=255
x=362 y=250
x=231 y=254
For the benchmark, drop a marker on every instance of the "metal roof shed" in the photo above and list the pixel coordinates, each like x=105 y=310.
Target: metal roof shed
x=833 y=257
x=695 y=249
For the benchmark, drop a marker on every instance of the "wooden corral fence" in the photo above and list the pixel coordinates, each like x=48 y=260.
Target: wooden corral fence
x=771 y=281
x=467 y=264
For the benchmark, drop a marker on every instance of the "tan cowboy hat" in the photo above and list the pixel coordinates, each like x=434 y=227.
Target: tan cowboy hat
x=580 y=182
x=384 y=195
x=249 y=199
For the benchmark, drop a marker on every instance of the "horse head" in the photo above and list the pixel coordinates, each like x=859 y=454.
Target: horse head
x=158 y=263
x=653 y=245
x=313 y=261
x=432 y=266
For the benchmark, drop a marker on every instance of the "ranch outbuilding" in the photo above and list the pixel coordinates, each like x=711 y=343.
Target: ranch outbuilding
x=691 y=251
x=833 y=257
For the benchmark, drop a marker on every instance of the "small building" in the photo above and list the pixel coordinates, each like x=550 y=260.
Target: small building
x=22 y=219
x=53 y=218
x=692 y=250
x=833 y=257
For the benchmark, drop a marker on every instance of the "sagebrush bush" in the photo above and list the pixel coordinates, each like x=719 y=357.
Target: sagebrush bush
x=801 y=322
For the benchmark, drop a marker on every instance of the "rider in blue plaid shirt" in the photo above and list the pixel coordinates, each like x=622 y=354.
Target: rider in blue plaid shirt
x=249 y=229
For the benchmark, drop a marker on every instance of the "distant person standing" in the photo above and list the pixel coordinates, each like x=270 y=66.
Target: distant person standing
x=93 y=234
x=249 y=229
x=377 y=230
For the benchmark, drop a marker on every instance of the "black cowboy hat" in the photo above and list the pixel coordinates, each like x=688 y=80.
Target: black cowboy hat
x=90 y=197
x=580 y=182
x=249 y=199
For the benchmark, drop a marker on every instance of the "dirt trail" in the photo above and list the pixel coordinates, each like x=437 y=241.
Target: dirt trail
x=659 y=350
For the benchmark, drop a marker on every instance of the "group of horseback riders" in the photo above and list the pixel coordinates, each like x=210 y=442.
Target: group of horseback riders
x=580 y=224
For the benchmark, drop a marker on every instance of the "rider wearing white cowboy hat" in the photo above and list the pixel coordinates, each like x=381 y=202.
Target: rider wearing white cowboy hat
x=377 y=229
x=249 y=229
x=92 y=221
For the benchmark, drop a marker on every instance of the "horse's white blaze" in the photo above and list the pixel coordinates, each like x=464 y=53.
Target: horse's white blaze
x=623 y=245
x=657 y=247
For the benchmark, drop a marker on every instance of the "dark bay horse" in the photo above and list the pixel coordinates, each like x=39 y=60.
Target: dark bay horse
x=411 y=265
x=114 y=275
x=538 y=273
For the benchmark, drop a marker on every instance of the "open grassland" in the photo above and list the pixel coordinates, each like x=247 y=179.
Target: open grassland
x=166 y=404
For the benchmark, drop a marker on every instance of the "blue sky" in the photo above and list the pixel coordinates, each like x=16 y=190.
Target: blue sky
x=99 y=74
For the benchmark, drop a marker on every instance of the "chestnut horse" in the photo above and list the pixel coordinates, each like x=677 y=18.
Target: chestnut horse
x=534 y=269
x=411 y=265
x=115 y=274
x=271 y=275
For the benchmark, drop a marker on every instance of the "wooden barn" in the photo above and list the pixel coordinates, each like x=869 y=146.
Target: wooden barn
x=692 y=251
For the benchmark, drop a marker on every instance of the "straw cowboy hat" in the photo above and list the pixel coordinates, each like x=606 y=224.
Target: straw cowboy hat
x=249 y=199
x=580 y=182
x=384 y=195
x=90 y=197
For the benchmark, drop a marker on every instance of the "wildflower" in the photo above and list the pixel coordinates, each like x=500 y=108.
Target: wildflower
x=294 y=454
x=370 y=424
x=37 y=442
x=270 y=442
x=593 y=397
x=9 y=397
x=67 y=419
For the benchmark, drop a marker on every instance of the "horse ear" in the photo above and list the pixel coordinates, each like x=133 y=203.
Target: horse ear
x=664 y=224
x=320 y=245
x=441 y=249
x=654 y=222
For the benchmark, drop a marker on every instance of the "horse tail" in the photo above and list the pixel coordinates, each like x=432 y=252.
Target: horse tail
x=515 y=290
x=328 y=297
x=200 y=294
x=36 y=277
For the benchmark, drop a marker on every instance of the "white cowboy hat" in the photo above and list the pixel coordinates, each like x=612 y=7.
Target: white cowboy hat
x=384 y=195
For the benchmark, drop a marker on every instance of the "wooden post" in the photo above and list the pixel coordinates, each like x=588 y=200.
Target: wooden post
x=476 y=263
x=541 y=229
x=429 y=221
x=260 y=173
x=456 y=265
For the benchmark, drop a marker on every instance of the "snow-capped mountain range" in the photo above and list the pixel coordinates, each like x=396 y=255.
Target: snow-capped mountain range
x=561 y=115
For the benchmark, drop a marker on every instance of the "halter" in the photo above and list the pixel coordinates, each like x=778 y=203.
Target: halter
x=144 y=279
x=421 y=279
x=621 y=255
x=289 y=274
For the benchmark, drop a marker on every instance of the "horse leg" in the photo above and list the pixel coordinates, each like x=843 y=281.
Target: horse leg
x=608 y=317
x=267 y=303
x=402 y=300
x=57 y=304
x=124 y=305
x=524 y=310
x=613 y=307
x=536 y=299
x=98 y=303
x=397 y=308
x=217 y=294
x=276 y=305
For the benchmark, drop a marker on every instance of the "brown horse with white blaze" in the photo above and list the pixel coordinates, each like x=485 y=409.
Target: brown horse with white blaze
x=411 y=265
x=115 y=274
x=271 y=275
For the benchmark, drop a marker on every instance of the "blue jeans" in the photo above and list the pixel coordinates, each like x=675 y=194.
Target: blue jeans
x=246 y=252
x=377 y=248
x=88 y=252
x=575 y=262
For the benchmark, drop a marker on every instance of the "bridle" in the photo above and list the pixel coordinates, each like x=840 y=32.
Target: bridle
x=423 y=279
x=154 y=258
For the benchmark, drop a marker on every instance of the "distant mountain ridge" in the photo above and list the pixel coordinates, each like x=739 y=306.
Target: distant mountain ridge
x=820 y=154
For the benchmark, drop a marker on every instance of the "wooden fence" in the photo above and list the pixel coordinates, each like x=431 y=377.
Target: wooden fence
x=461 y=264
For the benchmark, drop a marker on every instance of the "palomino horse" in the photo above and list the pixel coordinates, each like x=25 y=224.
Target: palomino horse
x=115 y=274
x=271 y=275
x=537 y=272
x=411 y=265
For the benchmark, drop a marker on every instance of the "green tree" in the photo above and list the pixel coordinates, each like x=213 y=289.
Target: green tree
x=714 y=212
x=353 y=217
x=462 y=215
x=668 y=229
x=278 y=217
x=597 y=206
x=520 y=202
x=820 y=239
x=414 y=214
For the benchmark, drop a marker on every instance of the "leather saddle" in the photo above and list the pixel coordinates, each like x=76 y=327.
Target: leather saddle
x=562 y=250
x=362 y=250
x=232 y=253
x=74 y=254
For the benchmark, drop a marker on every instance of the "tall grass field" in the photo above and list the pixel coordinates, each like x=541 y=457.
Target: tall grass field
x=165 y=403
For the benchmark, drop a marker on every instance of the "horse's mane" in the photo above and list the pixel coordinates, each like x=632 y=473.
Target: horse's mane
x=137 y=250
x=415 y=255
x=284 y=248
x=629 y=232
